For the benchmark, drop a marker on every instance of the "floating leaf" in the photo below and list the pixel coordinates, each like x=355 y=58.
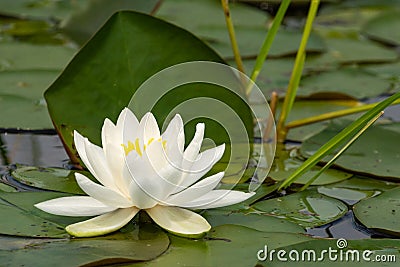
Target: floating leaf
x=39 y=9
x=84 y=22
x=381 y=212
x=21 y=99
x=260 y=222
x=226 y=245
x=286 y=167
x=7 y=188
x=348 y=81
x=126 y=47
x=374 y=153
x=350 y=196
x=384 y=28
x=20 y=56
x=54 y=179
x=350 y=50
x=19 y=222
x=306 y=208
x=135 y=245
x=23 y=203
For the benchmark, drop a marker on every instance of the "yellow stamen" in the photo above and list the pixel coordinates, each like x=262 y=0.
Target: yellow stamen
x=150 y=140
x=164 y=144
x=128 y=148
x=138 y=147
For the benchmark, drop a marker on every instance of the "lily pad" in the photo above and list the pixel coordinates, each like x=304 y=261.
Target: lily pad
x=348 y=81
x=381 y=212
x=126 y=46
x=83 y=22
x=357 y=50
x=21 y=56
x=39 y=9
x=260 y=222
x=306 y=208
x=7 y=188
x=285 y=163
x=374 y=153
x=21 y=97
x=226 y=245
x=23 y=202
x=54 y=179
x=19 y=222
x=384 y=28
x=136 y=245
x=350 y=196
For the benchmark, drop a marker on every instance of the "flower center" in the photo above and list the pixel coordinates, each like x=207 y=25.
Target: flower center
x=135 y=146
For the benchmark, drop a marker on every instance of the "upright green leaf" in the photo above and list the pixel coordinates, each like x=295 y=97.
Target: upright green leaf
x=101 y=79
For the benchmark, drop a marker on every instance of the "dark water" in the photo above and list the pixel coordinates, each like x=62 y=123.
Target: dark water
x=46 y=150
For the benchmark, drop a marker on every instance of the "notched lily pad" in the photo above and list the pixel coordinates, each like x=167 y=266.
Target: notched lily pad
x=306 y=208
x=381 y=212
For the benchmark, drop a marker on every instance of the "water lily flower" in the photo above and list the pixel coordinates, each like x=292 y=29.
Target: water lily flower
x=140 y=169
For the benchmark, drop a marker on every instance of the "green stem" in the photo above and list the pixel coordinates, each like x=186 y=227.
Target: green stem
x=333 y=115
x=266 y=46
x=342 y=150
x=336 y=141
x=231 y=31
x=296 y=73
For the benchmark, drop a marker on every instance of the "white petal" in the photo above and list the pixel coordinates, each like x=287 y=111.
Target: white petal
x=149 y=185
x=175 y=140
x=193 y=148
x=102 y=224
x=195 y=191
x=101 y=193
x=179 y=221
x=79 y=142
x=112 y=140
x=74 y=206
x=204 y=162
x=97 y=160
x=218 y=198
x=148 y=128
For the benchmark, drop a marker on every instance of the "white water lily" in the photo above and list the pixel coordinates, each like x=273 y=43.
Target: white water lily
x=140 y=169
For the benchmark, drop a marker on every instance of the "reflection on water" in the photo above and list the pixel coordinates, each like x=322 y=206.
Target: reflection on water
x=32 y=149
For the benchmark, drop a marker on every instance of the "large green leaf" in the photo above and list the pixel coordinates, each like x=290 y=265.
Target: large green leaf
x=375 y=152
x=381 y=212
x=306 y=208
x=133 y=245
x=101 y=79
